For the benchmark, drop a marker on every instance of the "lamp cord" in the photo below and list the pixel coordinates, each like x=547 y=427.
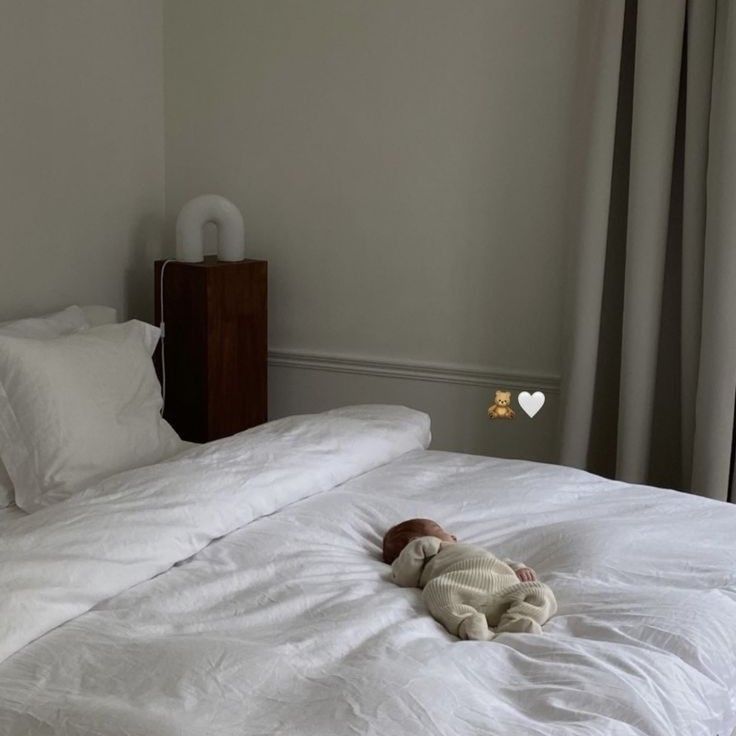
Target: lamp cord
x=162 y=327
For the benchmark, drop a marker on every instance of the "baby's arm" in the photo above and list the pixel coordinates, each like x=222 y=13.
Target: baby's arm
x=407 y=567
x=524 y=573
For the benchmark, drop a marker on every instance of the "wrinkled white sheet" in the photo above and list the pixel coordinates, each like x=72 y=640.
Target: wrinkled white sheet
x=56 y=564
x=291 y=626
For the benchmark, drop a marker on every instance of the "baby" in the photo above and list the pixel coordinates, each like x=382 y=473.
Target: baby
x=473 y=594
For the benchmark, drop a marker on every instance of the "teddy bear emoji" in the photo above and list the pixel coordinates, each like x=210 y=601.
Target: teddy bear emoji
x=501 y=406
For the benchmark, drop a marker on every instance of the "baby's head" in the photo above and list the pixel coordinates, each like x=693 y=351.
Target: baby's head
x=397 y=537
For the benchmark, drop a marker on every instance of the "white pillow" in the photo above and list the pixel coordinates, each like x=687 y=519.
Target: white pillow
x=98 y=316
x=79 y=408
x=67 y=320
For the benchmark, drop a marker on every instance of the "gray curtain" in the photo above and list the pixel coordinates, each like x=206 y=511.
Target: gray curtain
x=649 y=388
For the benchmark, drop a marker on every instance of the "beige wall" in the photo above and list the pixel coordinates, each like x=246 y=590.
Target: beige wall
x=81 y=153
x=403 y=167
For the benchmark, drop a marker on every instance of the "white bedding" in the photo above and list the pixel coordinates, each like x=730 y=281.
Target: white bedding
x=288 y=624
x=10 y=513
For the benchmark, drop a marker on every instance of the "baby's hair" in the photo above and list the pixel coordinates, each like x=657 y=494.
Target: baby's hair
x=398 y=536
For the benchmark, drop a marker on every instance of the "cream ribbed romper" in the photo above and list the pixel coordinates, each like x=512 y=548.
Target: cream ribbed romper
x=472 y=593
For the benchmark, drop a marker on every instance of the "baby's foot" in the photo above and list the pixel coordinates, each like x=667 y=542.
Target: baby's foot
x=475 y=628
x=519 y=626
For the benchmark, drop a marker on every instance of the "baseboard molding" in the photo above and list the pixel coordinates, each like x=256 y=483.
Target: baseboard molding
x=411 y=371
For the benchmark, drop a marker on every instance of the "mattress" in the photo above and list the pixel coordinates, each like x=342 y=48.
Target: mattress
x=238 y=589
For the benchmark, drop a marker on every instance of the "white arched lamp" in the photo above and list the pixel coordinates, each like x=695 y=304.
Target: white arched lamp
x=195 y=214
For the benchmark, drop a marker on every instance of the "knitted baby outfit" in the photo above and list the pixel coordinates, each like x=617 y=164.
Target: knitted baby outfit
x=472 y=593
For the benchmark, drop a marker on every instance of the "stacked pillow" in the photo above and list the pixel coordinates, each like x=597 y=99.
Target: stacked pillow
x=67 y=321
x=77 y=404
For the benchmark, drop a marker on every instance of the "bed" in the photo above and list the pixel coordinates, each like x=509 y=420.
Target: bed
x=237 y=588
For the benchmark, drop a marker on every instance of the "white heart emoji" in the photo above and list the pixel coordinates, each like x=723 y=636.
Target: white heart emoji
x=531 y=403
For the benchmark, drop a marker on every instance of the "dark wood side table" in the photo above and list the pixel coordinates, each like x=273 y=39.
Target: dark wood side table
x=215 y=317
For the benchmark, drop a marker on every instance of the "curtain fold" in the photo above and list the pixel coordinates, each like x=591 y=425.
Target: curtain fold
x=649 y=384
x=714 y=419
x=601 y=30
x=699 y=73
x=657 y=64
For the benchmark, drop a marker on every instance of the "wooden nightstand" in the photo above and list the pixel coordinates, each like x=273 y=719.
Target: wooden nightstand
x=215 y=317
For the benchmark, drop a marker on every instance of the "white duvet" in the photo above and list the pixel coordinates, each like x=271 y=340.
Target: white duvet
x=119 y=617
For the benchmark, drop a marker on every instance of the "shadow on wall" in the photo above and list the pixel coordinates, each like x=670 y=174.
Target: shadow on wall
x=145 y=246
